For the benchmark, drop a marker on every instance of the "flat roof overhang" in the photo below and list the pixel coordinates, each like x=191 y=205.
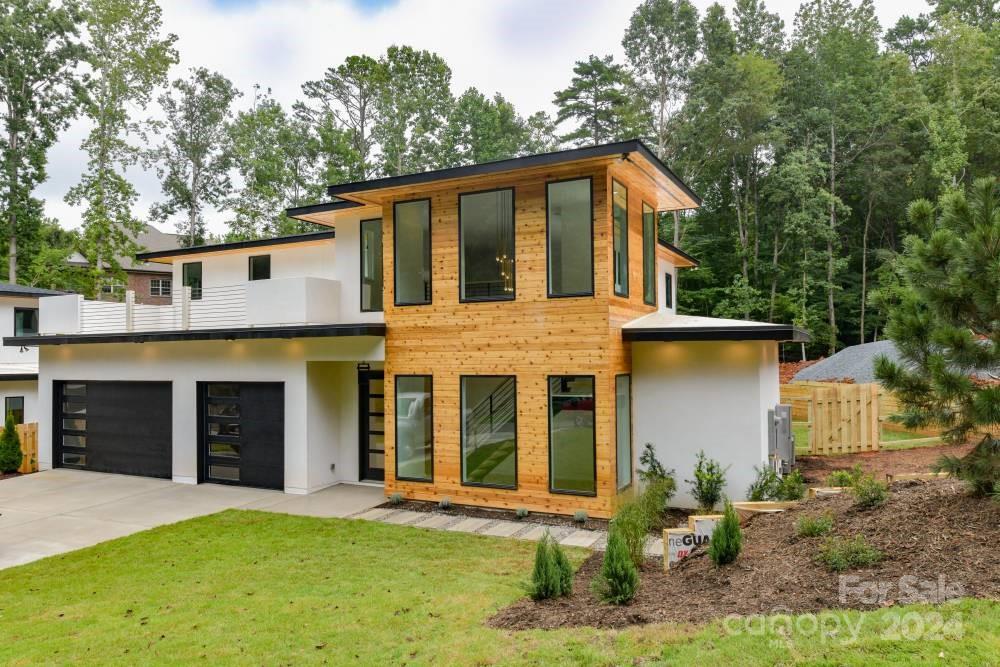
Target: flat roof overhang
x=242 y=333
x=10 y=377
x=777 y=332
x=168 y=256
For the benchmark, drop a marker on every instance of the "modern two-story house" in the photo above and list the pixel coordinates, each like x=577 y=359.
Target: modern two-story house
x=503 y=334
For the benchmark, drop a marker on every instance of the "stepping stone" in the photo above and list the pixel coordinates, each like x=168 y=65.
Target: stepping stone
x=581 y=538
x=503 y=529
x=435 y=521
x=469 y=525
x=375 y=514
x=401 y=517
x=538 y=531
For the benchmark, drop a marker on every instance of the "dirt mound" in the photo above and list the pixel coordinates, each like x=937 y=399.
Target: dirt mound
x=931 y=531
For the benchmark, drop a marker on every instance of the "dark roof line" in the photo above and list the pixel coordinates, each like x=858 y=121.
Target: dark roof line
x=776 y=332
x=672 y=248
x=11 y=377
x=525 y=162
x=323 y=207
x=241 y=333
x=238 y=245
x=13 y=289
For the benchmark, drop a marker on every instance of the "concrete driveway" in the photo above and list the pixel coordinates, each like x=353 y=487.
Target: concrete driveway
x=60 y=510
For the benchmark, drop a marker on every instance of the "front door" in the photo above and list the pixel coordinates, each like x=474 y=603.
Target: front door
x=371 y=404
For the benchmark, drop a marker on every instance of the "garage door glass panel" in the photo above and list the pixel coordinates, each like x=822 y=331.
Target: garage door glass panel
x=572 y=446
x=74 y=440
x=226 y=390
x=72 y=459
x=75 y=424
x=224 y=429
x=224 y=449
x=72 y=389
x=224 y=409
x=70 y=408
x=225 y=473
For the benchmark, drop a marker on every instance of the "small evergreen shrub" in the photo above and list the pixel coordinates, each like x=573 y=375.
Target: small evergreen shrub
x=793 y=487
x=564 y=568
x=980 y=468
x=709 y=479
x=552 y=574
x=838 y=554
x=765 y=486
x=845 y=477
x=521 y=513
x=868 y=493
x=651 y=468
x=618 y=580
x=10 y=447
x=727 y=538
x=396 y=499
x=444 y=504
x=580 y=517
x=814 y=526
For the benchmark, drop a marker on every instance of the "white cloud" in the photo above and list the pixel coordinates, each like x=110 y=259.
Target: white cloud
x=524 y=49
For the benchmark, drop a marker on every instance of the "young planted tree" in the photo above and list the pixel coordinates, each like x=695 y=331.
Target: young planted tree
x=10 y=447
x=40 y=90
x=947 y=328
x=194 y=159
x=597 y=99
x=128 y=58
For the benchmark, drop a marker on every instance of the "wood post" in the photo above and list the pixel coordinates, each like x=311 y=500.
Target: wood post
x=129 y=310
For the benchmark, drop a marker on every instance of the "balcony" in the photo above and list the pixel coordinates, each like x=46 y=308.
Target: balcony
x=292 y=302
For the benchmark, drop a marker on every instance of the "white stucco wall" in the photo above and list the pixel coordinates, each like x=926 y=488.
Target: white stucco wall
x=233 y=267
x=664 y=267
x=26 y=388
x=184 y=364
x=347 y=268
x=711 y=396
x=15 y=355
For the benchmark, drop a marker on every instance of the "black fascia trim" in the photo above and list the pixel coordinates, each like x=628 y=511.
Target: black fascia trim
x=526 y=162
x=34 y=294
x=324 y=207
x=780 y=333
x=243 y=333
x=11 y=377
x=238 y=245
x=672 y=248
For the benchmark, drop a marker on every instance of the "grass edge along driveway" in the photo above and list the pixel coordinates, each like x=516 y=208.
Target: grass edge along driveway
x=244 y=586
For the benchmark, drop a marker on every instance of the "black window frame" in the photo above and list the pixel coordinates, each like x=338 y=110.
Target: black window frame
x=548 y=244
x=361 y=265
x=614 y=239
x=631 y=440
x=461 y=435
x=513 y=240
x=8 y=410
x=20 y=311
x=548 y=413
x=430 y=253
x=668 y=289
x=195 y=296
x=395 y=426
x=250 y=267
x=649 y=237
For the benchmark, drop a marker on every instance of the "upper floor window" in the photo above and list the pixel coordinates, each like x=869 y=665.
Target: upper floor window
x=569 y=216
x=25 y=321
x=371 y=265
x=191 y=277
x=411 y=238
x=619 y=238
x=668 y=289
x=648 y=254
x=160 y=286
x=486 y=239
x=260 y=267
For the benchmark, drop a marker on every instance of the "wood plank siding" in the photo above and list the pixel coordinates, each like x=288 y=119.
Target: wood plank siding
x=531 y=337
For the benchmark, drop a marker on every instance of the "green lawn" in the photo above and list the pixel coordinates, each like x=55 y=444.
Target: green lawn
x=259 y=588
x=889 y=439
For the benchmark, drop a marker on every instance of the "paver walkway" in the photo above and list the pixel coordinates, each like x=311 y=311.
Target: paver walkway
x=520 y=530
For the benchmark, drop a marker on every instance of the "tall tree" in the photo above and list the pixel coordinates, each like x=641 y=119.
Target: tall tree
x=597 y=100
x=758 y=30
x=39 y=93
x=128 y=59
x=481 y=129
x=194 y=159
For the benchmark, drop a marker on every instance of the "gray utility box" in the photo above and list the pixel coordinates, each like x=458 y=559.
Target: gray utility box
x=780 y=441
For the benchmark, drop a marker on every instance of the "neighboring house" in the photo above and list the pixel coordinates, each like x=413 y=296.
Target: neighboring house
x=19 y=364
x=502 y=334
x=151 y=282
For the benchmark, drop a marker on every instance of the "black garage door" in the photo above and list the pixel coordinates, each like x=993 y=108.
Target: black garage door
x=120 y=427
x=242 y=437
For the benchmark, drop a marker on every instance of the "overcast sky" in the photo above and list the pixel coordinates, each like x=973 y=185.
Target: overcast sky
x=524 y=49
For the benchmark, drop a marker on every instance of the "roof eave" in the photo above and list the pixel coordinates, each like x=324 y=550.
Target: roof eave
x=779 y=333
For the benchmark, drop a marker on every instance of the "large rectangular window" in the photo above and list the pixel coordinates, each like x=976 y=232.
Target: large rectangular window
x=569 y=217
x=14 y=405
x=414 y=428
x=572 y=443
x=489 y=430
x=371 y=265
x=486 y=253
x=648 y=254
x=260 y=267
x=25 y=321
x=623 y=429
x=191 y=277
x=411 y=238
x=619 y=237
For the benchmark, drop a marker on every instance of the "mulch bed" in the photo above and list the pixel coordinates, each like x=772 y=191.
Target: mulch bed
x=672 y=517
x=7 y=475
x=927 y=529
x=886 y=461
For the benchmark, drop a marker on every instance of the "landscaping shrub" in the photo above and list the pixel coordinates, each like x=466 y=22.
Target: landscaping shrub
x=521 y=513
x=546 y=578
x=868 y=493
x=563 y=567
x=845 y=477
x=709 y=479
x=618 y=580
x=651 y=468
x=632 y=522
x=980 y=468
x=765 y=486
x=10 y=447
x=838 y=554
x=580 y=516
x=793 y=487
x=814 y=526
x=396 y=499
x=654 y=498
x=444 y=503
x=727 y=538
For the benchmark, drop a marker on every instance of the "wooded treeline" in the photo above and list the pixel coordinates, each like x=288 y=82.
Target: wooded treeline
x=807 y=143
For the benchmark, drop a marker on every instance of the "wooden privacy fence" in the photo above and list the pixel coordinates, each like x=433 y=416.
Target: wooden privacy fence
x=799 y=394
x=28 y=434
x=844 y=419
